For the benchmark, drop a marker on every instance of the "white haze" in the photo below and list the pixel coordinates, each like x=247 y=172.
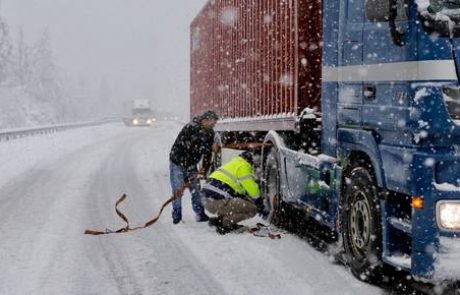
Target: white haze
x=134 y=48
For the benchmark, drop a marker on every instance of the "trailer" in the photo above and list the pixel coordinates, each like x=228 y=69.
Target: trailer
x=359 y=104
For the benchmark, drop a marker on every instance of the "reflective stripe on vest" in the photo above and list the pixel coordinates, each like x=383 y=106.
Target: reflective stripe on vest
x=236 y=180
x=217 y=190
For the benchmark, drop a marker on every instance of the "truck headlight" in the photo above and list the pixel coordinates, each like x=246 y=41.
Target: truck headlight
x=135 y=121
x=149 y=121
x=448 y=215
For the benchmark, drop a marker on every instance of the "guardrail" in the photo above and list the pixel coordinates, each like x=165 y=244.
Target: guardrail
x=10 y=134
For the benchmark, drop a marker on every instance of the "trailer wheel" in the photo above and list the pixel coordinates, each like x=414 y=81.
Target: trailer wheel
x=362 y=231
x=271 y=188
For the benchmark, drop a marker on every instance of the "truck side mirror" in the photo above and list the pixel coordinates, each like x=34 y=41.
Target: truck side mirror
x=389 y=11
x=397 y=36
x=377 y=10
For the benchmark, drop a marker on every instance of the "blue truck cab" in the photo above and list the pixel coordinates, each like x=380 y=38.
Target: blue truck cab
x=387 y=174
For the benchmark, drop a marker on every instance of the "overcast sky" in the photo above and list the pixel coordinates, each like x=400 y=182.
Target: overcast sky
x=140 y=47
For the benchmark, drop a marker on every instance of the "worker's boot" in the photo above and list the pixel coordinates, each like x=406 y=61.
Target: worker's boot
x=215 y=221
x=222 y=230
x=202 y=218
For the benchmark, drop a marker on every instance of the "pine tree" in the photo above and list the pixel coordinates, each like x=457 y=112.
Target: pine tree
x=5 y=52
x=44 y=67
x=22 y=61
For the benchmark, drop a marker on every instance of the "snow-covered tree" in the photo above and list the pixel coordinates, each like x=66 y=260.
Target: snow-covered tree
x=5 y=52
x=22 y=61
x=35 y=91
x=44 y=67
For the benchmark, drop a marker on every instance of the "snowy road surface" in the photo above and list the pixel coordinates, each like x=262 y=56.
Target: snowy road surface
x=53 y=187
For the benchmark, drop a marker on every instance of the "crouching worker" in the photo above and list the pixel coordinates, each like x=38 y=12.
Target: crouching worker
x=232 y=193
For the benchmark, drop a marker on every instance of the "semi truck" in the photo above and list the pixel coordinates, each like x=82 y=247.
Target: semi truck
x=141 y=114
x=357 y=106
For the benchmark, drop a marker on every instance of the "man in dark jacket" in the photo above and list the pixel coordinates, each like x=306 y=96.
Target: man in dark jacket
x=193 y=143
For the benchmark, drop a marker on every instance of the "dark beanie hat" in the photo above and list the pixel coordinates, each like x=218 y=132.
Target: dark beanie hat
x=209 y=115
x=247 y=155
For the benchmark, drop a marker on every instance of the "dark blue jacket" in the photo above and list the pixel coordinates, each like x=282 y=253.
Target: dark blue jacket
x=192 y=143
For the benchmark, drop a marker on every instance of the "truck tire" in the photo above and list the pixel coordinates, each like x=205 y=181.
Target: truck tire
x=271 y=187
x=362 y=230
x=216 y=160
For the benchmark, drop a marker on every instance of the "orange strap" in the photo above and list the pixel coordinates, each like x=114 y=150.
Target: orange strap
x=127 y=228
x=256 y=231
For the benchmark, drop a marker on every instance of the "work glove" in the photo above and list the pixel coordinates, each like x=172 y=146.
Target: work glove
x=202 y=174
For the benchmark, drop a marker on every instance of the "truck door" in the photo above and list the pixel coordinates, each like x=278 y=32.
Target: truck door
x=388 y=50
x=350 y=62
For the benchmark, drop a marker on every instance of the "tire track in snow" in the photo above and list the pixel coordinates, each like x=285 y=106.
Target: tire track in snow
x=168 y=267
x=39 y=230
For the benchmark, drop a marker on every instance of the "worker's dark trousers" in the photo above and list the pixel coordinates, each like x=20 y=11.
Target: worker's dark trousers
x=231 y=210
x=178 y=175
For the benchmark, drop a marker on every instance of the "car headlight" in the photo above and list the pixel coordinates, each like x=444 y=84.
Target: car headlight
x=135 y=121
x=149 y=121
x=448 y=215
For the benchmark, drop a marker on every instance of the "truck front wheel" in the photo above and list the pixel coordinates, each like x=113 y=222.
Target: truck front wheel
x=216 y=160
x=271 y=188
x=362 y=231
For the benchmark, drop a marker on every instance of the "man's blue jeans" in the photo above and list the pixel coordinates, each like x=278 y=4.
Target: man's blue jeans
x=178 y=176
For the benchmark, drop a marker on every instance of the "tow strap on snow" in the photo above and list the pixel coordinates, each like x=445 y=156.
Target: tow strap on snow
x=127 y=228
x=259 y=230
x=263 y=231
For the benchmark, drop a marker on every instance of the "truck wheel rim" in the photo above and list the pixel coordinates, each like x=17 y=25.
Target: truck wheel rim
x=360 y=227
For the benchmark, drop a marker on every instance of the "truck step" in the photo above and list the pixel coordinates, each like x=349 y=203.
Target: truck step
x=403 y=225
x=400 y=261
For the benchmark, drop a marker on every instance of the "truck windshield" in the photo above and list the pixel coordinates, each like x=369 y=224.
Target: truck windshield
x=440 y=17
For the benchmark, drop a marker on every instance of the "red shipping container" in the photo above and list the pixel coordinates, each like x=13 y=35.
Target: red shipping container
x=257 y=63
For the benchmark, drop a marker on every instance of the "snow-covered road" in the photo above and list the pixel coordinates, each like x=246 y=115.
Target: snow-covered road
x=53 y=187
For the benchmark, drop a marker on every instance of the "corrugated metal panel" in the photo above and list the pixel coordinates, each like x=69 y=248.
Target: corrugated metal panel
x=256 y=58
x=310 y=39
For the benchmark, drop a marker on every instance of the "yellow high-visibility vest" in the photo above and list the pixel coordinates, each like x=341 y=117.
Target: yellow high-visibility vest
x=239 y=175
